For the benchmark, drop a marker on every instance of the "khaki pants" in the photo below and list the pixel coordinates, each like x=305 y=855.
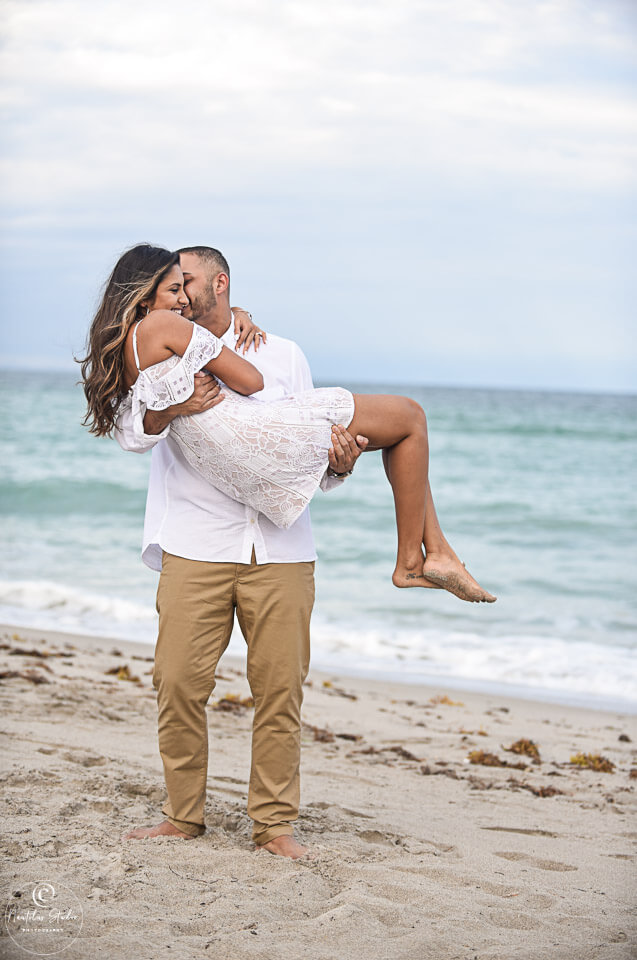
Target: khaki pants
x=196 y=602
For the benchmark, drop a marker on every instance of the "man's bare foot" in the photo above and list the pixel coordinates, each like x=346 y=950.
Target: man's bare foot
x=405 y=577
x=451 y=574
x=284 y=846
x=163 y=829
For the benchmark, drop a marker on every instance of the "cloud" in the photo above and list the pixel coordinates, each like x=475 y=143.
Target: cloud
x=466 y=164
x=120 y=97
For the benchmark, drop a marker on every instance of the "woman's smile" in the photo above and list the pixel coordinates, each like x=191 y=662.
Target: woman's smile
x=170 y=293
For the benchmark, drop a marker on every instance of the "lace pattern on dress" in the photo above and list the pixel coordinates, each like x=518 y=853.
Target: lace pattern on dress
x=172 y=380
x=270 y=456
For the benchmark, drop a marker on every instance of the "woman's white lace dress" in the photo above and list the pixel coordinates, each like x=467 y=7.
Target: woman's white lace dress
x=270 y=456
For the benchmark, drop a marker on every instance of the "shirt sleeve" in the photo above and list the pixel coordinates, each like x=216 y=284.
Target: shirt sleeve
x=330 y=483
x=128 y=437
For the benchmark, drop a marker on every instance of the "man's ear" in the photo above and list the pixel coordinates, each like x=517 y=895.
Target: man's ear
x=222 y=283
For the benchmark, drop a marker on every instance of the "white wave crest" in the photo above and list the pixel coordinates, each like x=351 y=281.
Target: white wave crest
x=47 y=605
x=550 y=663
x=519 y=663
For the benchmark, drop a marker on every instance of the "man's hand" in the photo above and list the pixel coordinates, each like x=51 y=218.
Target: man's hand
x=344 y=451
x=247 y=332
x=205 y=396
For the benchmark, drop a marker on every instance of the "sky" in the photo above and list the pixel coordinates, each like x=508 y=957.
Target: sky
x=421 y=191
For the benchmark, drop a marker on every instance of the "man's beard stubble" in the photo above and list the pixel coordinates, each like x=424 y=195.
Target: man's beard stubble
x=204 y=303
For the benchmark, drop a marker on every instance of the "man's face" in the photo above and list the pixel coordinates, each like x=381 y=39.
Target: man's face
x=199 y=286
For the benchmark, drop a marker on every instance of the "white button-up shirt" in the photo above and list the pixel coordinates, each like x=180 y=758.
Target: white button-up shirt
x=188 y=517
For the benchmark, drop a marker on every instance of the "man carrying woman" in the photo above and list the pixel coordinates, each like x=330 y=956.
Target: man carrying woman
x=219 y=557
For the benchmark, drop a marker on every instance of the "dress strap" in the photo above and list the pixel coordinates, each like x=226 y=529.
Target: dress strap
x=135 y=345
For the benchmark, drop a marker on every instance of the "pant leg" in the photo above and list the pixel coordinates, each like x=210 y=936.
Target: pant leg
x=196 y=612
x=274 y=605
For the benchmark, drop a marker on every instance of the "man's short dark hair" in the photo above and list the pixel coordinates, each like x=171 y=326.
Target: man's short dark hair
x=214 y=259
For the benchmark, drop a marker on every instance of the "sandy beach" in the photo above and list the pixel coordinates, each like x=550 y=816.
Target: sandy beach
x=431 y=837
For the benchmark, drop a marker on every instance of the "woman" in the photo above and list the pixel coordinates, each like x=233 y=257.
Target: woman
x=271 y=456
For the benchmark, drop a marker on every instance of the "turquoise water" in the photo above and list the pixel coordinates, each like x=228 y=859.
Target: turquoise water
x=536 y=492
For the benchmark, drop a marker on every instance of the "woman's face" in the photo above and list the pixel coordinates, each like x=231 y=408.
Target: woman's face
x=170 y=292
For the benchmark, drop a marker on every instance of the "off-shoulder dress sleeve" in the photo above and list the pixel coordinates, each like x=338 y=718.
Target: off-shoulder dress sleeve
x=172 y=381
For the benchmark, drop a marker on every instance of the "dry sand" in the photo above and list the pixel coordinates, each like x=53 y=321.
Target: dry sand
x=419 y=853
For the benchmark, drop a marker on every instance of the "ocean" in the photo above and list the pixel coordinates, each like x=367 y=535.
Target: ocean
x=535 y=491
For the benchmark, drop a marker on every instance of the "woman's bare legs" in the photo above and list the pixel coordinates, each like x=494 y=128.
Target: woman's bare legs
x=442 y=567
x=398 y=425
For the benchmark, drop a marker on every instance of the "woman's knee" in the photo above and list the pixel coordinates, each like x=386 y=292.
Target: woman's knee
x=416 y=414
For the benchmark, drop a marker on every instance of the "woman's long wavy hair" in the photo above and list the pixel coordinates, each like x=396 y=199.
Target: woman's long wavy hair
x=135 y=278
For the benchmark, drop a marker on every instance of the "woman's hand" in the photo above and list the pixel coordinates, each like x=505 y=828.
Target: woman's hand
x=246 y=331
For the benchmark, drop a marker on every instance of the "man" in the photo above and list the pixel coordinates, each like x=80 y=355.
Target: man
x=218 y=557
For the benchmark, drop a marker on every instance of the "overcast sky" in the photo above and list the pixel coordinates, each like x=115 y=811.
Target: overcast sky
x=418 y=191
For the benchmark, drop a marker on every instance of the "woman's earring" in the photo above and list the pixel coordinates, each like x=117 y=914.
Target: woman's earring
x=147 y=311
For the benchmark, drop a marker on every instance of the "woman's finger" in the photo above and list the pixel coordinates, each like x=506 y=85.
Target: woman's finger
x=249 y=340
x=244 y=333
x=242 y=319
x=242 y=326
x=257 y=337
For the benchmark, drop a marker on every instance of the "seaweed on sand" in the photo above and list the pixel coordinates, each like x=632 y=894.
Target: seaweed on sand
x=593 y=761
x=525 y=747
x=123 y=673
x=32 y=675
x=492 y=760
x=233 y=703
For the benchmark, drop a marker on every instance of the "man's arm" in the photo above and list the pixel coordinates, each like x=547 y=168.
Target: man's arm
x=344 y=452
x=157 y=422
x=206 y=395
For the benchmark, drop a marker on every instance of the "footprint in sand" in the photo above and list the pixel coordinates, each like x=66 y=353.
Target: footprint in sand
x=85 y=759
x=375 y=836
x=514 y=921
x=322 y=805
x=534 y=861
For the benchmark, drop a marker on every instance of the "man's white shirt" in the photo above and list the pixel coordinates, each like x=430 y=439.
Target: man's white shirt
x=188 y=517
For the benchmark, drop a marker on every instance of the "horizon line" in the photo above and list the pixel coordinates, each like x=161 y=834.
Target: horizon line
x=65 y=368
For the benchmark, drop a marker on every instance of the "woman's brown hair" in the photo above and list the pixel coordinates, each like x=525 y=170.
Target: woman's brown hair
x=135 y=278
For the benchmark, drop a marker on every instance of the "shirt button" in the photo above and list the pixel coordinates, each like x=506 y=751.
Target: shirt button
x=252 y=520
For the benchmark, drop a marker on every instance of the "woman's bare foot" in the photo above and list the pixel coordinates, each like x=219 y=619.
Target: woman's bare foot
x=452 y=575
x=284 y=846
x=163 y=829
x=411 y=575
